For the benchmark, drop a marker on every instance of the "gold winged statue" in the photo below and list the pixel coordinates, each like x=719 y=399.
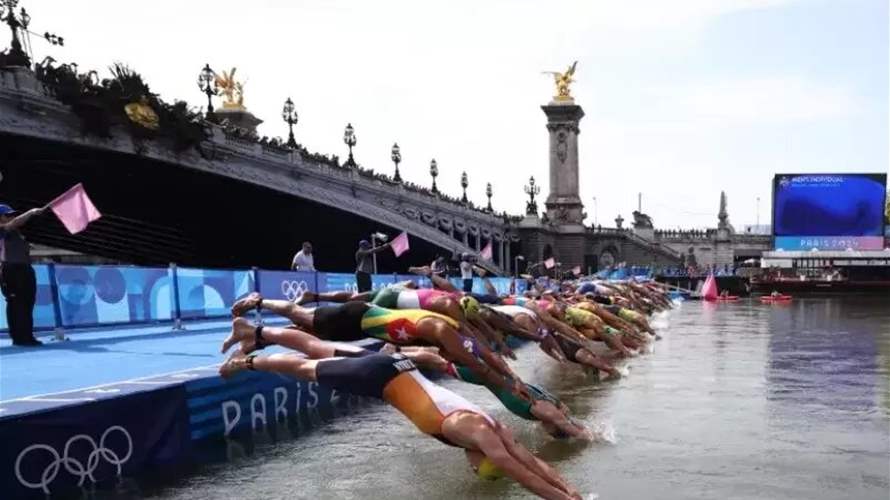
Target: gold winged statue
x=232 y=90
x=563 y=80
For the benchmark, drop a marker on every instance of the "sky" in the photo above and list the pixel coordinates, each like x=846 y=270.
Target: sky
x=683 y=98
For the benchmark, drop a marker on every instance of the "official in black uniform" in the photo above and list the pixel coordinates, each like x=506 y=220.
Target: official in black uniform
x=17 y=280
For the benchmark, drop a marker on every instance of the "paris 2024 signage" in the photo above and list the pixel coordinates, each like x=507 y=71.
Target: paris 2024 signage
x=829 y=211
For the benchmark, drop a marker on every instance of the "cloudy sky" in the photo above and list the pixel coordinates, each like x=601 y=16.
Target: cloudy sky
x=683 y=98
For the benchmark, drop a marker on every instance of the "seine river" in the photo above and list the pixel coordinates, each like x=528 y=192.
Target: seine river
x=738 y=401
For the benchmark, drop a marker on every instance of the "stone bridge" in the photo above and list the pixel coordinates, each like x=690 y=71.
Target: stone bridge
x=47 y=148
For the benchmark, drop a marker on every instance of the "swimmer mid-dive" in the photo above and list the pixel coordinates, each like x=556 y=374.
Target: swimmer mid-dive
x=358 y=320
x=489 y=446
x=539 y=406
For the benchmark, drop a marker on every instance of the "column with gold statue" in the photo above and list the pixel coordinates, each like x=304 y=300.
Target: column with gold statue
x=233 y=111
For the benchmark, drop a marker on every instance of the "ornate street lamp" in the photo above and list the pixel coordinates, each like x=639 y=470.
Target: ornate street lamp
x=207 y=84
x=464 y=182
x=16 y=55
x=532 y=190
x=396 y=158
x=349 y=140
x=434 y=172
x=289 y=115
x=488 y=193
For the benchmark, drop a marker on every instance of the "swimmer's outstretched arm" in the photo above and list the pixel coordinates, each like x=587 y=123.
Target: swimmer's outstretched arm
x=537 y=465
x=492 y=446
x=454 y=349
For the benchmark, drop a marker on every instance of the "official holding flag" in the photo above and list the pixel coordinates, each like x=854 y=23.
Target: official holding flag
x=17 y=279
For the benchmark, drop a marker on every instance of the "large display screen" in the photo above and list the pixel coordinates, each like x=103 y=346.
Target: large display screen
x=829 y=211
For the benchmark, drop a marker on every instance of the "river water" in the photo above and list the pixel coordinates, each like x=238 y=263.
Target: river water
x=737 y=401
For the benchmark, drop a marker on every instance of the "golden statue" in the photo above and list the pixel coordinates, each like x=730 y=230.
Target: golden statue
x=563 y=80
x=140 y=113
x=232 y=91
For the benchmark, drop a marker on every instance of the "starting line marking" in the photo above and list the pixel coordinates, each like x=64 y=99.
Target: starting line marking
x=183 y=374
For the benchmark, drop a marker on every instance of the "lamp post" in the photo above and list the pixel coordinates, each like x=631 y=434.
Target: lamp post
x=396 y=158
x=289 y=115
x=207 y=84
x=488 y=194
x=758 y=213
x=16 y=56
x=464 y=182
x=349 y=140
x=516 y=264
x=434 y=172
x=595 y=221
x=532 y=190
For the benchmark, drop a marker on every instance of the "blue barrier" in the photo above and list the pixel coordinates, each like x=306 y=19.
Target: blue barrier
x=285 y=285
x=44 y=315
x=101 y=295
x=73 y=296
x=210 y=293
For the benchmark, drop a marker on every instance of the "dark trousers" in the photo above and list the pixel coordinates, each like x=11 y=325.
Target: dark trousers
x=468 y=285
x=363 y=280
x=19 y=286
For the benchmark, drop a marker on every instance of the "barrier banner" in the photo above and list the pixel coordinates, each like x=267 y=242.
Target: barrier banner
x=93 y=295
x=44 y=316
x=209 y=293
x=52 y=451
x=286 y=285
x=251 y=401
x=422 y=281
x=336 y=282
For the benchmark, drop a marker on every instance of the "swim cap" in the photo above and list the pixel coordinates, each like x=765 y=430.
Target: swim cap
x=488 y=471
x=469 y=305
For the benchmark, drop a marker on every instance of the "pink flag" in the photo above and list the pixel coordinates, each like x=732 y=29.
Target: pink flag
x=400 y=244
x=75 y=209
x=550 y=263
x=486 y=252
x=709 y=289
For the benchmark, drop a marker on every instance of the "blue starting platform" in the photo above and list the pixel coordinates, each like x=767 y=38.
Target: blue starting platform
x=113 y=402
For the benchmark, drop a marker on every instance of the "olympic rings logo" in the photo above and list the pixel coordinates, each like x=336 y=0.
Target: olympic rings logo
x=294 y=290
x=74 y=466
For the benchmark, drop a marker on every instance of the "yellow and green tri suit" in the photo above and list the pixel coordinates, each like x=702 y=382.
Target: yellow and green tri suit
x=398 y=326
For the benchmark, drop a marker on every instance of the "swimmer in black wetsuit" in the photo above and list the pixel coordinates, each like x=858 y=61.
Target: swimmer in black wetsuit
x=433 y=409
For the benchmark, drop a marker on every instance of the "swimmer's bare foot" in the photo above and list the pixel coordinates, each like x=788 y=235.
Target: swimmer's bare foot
x=307 y=298
x=244 y=305
x=243 y=331
x=236 y=363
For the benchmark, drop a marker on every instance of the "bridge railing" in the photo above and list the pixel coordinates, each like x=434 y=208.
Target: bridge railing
x=85 y=296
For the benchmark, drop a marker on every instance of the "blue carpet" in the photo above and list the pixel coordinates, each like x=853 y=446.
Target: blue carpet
x=108 y=355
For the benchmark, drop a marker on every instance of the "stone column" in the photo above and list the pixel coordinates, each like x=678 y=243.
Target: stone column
x=508 y=261
x=563 y=204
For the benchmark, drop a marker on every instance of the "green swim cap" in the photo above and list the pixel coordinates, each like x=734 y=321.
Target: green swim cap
x=488 y=471
x=469 y=305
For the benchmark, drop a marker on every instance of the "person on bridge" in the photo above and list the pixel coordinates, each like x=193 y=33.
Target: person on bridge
x=364 y=264
x=303 y=260
x=17 y=279
x=490 y=447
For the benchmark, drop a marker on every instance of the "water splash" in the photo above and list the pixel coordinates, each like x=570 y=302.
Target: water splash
x=603 y=432
x=591 y=496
